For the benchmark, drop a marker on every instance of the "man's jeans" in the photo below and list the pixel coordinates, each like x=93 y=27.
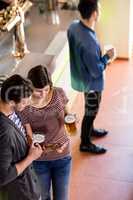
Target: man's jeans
x=92 y=102
x=55 y=173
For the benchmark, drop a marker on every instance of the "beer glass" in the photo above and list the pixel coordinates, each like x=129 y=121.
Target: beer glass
x=70 y=123
x=39 y=138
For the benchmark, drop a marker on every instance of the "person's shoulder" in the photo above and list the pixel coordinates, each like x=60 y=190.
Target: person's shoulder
x=26 y=109
x=74 y=24
x=61 y=95
x=25 y=112
x=2 y=119
x=4 y=125
x=58 y=89
x=89 y=40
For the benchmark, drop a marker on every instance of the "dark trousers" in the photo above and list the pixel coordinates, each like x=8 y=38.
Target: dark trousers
x=92 y=102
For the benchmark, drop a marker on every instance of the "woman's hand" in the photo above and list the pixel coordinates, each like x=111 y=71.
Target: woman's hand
x=62 y=148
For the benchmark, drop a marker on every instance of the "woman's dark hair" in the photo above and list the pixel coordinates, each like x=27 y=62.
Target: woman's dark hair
x=87 y=7
x=15 y=88
x=39 y=77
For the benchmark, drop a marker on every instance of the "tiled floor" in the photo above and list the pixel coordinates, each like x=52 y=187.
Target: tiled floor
x=109 y=176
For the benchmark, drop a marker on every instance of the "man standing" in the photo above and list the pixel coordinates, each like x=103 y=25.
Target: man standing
x=17 y=178
x=87 y=67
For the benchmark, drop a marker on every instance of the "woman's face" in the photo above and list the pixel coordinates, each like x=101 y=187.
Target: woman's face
x=41 y=93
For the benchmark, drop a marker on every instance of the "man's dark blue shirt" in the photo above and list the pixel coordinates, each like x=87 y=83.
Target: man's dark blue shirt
x=86 y=63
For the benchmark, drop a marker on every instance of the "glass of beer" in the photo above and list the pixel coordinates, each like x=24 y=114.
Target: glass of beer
x=39 y=138
x=108 y=47
x=70 y=123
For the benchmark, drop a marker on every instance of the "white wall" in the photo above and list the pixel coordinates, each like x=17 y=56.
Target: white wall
x=114 y=26
x=131 y=28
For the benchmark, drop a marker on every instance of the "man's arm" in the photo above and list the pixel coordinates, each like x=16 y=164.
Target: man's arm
x=8 y=170
x=93 y=62
x=34 y=153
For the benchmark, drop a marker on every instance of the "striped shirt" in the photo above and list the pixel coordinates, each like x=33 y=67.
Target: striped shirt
x=17 y=121
x=49 y=121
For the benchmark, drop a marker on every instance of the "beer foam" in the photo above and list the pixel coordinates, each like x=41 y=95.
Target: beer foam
x=69 y=119
x=38 y=138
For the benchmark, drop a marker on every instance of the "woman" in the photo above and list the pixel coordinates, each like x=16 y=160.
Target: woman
x=46 y=116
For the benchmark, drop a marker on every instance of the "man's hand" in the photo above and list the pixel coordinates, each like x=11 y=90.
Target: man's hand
x=35 y=151
x=111 y=53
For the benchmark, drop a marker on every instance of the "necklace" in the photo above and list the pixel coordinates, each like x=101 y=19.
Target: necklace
x=42 y=102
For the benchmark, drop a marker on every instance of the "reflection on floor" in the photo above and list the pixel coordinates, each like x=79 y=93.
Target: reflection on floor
x=109 y=176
